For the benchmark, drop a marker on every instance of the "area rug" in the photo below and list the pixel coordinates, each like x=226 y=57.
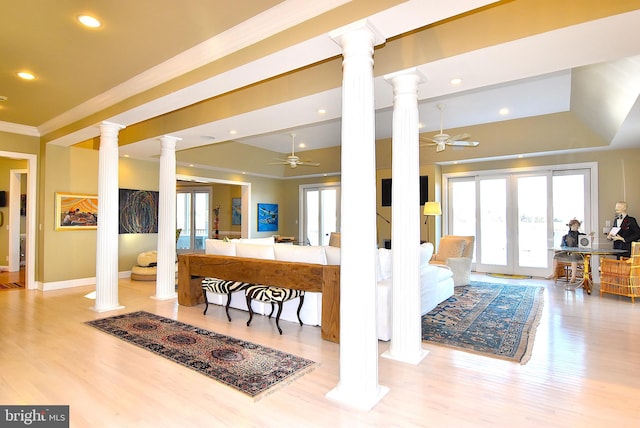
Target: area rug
x=10 y=285
x=496 y=320
x=250 y=368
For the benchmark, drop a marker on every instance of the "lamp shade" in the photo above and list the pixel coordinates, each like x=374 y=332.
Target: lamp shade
x=432 y=208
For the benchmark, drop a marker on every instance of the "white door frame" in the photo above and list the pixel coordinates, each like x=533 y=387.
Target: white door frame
x=14 y=223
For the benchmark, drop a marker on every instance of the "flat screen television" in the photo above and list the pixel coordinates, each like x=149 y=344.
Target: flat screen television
x=386 y=191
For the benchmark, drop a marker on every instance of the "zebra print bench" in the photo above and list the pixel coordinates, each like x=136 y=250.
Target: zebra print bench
x=221 y=286
x=269 y=294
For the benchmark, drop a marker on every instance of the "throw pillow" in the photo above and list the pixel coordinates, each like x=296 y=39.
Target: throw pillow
x=333 y=255
x=296 y=253
x=255 y=251
x=220 y=248
x=386 y=262
x=426 y=251
x=450 y=247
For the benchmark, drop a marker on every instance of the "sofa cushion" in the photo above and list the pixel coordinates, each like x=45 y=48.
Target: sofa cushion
x=256 y=251
x=386 y=263
x=426 y=252
x=257 y=241
x=450 y=247
x=220 y=248
x=301 y=254
x=333 y=255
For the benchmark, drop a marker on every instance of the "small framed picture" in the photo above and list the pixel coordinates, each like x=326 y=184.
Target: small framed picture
x=76 y=211
x=267 y=217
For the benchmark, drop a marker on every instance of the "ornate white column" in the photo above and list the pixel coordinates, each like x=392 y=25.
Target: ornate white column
x=406 y=332
x=358 y=385
x=166 y=277
x=107 y=238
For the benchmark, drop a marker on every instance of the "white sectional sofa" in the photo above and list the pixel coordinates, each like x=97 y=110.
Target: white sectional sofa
x=436 y=285
x=436 y=282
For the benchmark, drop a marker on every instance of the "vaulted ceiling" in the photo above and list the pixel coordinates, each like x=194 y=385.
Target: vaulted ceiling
x=567 y=71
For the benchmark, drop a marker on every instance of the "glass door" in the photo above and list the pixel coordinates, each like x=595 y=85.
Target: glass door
x=321 y=214
x=193 y=208
x=517 y=217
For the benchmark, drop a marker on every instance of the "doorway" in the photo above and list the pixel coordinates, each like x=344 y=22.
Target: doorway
x=320 y=213
x=31 y=172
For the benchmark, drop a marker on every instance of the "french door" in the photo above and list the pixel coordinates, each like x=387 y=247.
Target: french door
x=320 y=213
x=517 y=217
x=192 y=216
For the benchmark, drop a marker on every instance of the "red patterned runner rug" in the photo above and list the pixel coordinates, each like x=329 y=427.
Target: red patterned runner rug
x=250 y=368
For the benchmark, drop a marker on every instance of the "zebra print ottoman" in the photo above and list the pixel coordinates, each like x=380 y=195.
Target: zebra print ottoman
x=268 y=294
x=221 y=286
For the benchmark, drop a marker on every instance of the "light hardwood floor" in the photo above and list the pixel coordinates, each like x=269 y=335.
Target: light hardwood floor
x=584 y=370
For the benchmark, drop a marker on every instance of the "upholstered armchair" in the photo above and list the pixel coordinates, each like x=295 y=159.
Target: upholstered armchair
x=457 y=253
x=621 y=277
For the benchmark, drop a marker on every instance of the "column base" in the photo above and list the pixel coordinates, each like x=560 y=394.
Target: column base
x=107 y=309
x=414 y=359
x=353 y=400
x=168 y=297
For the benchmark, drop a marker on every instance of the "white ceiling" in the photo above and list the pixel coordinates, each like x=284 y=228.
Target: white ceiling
x=538 y=83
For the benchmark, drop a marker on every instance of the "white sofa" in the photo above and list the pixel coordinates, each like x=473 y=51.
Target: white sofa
x=436 y=282
x=436 y=285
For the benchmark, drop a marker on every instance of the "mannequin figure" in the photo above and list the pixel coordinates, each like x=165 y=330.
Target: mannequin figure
x=625 y=230
x=569 y=240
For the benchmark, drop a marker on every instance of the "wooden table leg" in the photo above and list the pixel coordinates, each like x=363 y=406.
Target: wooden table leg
x=586 y=274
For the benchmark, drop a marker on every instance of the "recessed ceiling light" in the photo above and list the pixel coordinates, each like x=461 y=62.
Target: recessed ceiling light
x=302 y=145
x=126 y=156
x=26 y=75
x=420 y=125
x=89 y=21
x=504 y=111
x=321 y=111
x=233 y=132
x=456 y=81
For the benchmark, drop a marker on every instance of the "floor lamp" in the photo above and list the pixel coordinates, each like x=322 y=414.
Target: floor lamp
x=431 y=209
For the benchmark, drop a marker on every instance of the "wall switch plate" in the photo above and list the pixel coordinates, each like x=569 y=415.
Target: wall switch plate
x=607 y=223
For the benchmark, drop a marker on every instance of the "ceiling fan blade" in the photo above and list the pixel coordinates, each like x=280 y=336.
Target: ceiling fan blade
x=460 y=137
x=464 y=143
x=308 y=163
x=279 y=162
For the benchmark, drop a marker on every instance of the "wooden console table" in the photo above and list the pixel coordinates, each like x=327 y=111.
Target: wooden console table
x=300 y=276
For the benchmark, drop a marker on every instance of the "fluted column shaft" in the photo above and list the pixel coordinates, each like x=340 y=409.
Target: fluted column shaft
x=406 y=336
x=107 y=233
x=358 y=385
x=166 y=270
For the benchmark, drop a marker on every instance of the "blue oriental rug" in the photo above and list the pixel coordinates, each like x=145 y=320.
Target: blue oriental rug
x=249 y=368
x=496 y=320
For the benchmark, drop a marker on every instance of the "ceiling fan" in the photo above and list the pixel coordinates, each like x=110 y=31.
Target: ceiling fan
x=442 y=140
x=292 y=160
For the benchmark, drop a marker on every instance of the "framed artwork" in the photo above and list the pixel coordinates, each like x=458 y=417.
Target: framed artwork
x=267 y=217
x=76 y=211
x=236 y=211
x=138 y=211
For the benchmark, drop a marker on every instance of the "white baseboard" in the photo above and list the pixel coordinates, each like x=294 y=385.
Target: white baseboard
x=80 y=282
